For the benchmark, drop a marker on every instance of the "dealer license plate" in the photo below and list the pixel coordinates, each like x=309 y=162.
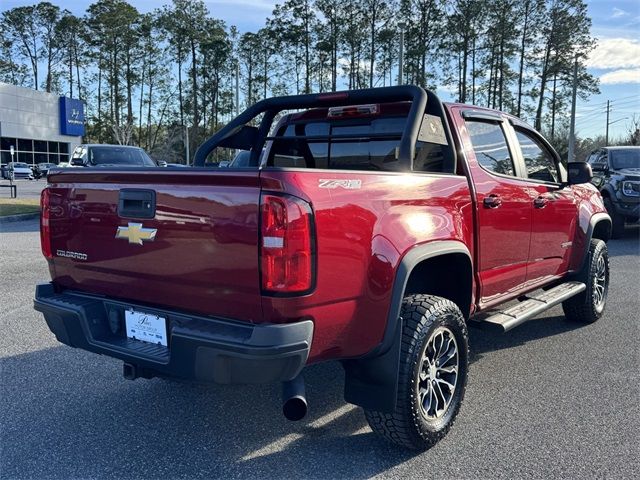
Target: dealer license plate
x=146 y=327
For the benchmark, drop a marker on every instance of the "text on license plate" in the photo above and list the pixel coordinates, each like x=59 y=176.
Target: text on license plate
x=146 y=327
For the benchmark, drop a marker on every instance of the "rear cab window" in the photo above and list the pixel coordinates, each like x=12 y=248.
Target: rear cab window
x=362 y=142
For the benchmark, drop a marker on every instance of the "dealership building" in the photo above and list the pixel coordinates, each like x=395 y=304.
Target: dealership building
x=38 y=127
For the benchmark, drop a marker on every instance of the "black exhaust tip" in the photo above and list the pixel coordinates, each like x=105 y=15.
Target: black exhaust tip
x=294 y=401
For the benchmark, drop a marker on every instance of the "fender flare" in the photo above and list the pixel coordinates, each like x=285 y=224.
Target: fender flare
x=595 y=219
x=371 y=381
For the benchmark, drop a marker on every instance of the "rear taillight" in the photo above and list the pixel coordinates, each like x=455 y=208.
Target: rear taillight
x=287 y=244
x=45 y=226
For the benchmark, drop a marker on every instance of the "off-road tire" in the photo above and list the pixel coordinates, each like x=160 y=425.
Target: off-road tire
x=585 y=307
x=617 y=220
x=407 y=426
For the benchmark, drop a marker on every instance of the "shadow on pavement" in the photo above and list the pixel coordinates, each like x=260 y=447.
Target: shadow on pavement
x=483 y=341
x=21 y=226
x=61 y=421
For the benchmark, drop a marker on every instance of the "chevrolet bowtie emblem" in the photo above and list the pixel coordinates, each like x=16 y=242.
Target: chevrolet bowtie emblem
x=135 y=233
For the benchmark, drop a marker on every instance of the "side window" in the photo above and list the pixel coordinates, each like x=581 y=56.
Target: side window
x=596 y=159
x=540 y=163
x=490 y=147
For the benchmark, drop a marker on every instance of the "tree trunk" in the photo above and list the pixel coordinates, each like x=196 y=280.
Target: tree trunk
x=194 y=73
x=99 y=101
x=522 y=52
x=373 y=45
x=70 y=74
x=179 y=60
x=543 y=84
x=144 y=66
x=553 y=107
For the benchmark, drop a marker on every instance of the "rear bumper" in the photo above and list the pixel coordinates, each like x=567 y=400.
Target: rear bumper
x=200 y=348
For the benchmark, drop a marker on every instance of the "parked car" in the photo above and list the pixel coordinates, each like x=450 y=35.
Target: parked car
x=90 y=155
x=41 y=169
x=375 y=228
x=18 y=170
x=616 y=173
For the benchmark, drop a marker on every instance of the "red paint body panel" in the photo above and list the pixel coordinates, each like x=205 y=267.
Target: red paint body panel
x=361 y=236
x=205 y=257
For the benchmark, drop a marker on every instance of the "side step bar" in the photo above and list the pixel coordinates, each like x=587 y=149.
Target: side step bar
x=532 y=306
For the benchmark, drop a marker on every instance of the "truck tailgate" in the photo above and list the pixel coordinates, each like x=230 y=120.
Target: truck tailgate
x=198 y=253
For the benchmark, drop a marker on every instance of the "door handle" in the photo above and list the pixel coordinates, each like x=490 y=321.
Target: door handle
x=540 y=202
x=492 y=201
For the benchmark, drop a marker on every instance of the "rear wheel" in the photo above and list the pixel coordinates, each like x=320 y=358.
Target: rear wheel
x=617 y=220
x=432 y=375
x=588 y=306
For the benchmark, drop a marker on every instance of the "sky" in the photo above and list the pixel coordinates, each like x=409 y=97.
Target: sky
x=616 y=60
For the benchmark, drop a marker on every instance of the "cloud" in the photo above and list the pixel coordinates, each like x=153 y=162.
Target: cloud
x=628 y=75
x=615 y=53
x=618 y=12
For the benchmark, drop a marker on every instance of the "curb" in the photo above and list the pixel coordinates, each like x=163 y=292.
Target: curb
x=18 y=218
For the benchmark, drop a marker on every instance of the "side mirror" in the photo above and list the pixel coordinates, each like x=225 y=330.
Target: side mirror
x=77 y=162
x=579 y=172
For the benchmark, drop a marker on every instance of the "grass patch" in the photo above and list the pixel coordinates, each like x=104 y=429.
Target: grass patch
x=16 y=206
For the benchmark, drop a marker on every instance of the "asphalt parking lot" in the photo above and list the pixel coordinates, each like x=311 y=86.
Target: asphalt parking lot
x=549 y=399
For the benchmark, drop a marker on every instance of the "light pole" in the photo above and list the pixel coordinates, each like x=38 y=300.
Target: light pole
x=401 y=26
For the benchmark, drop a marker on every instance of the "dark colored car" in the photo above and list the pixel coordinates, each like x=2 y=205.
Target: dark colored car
x=616 y=173
x=371 y=227
x=42 y=169
x=90 y=155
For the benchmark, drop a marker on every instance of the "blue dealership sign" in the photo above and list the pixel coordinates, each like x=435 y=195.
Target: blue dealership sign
x=71 y=117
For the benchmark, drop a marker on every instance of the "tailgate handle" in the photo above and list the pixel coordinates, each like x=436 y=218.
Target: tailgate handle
x=137 y=203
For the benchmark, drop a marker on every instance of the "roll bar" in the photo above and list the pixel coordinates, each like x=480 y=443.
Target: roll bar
x=272 y=106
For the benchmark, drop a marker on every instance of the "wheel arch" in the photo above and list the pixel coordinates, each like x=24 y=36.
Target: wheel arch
x=371 y=381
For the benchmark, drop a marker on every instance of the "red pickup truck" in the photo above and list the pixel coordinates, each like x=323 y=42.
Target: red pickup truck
x=370 y=227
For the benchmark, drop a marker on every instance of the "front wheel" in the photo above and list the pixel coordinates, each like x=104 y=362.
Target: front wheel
x=588 y=306
x=432 y=378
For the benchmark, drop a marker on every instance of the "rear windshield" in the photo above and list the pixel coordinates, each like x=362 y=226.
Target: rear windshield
x=625 y=158
x=105 y=156
x=349 y=144
x=20 y=165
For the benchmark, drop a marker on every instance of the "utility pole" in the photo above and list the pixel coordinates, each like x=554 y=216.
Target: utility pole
x=572 y=126
x=606 y=138
x=401 y=25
